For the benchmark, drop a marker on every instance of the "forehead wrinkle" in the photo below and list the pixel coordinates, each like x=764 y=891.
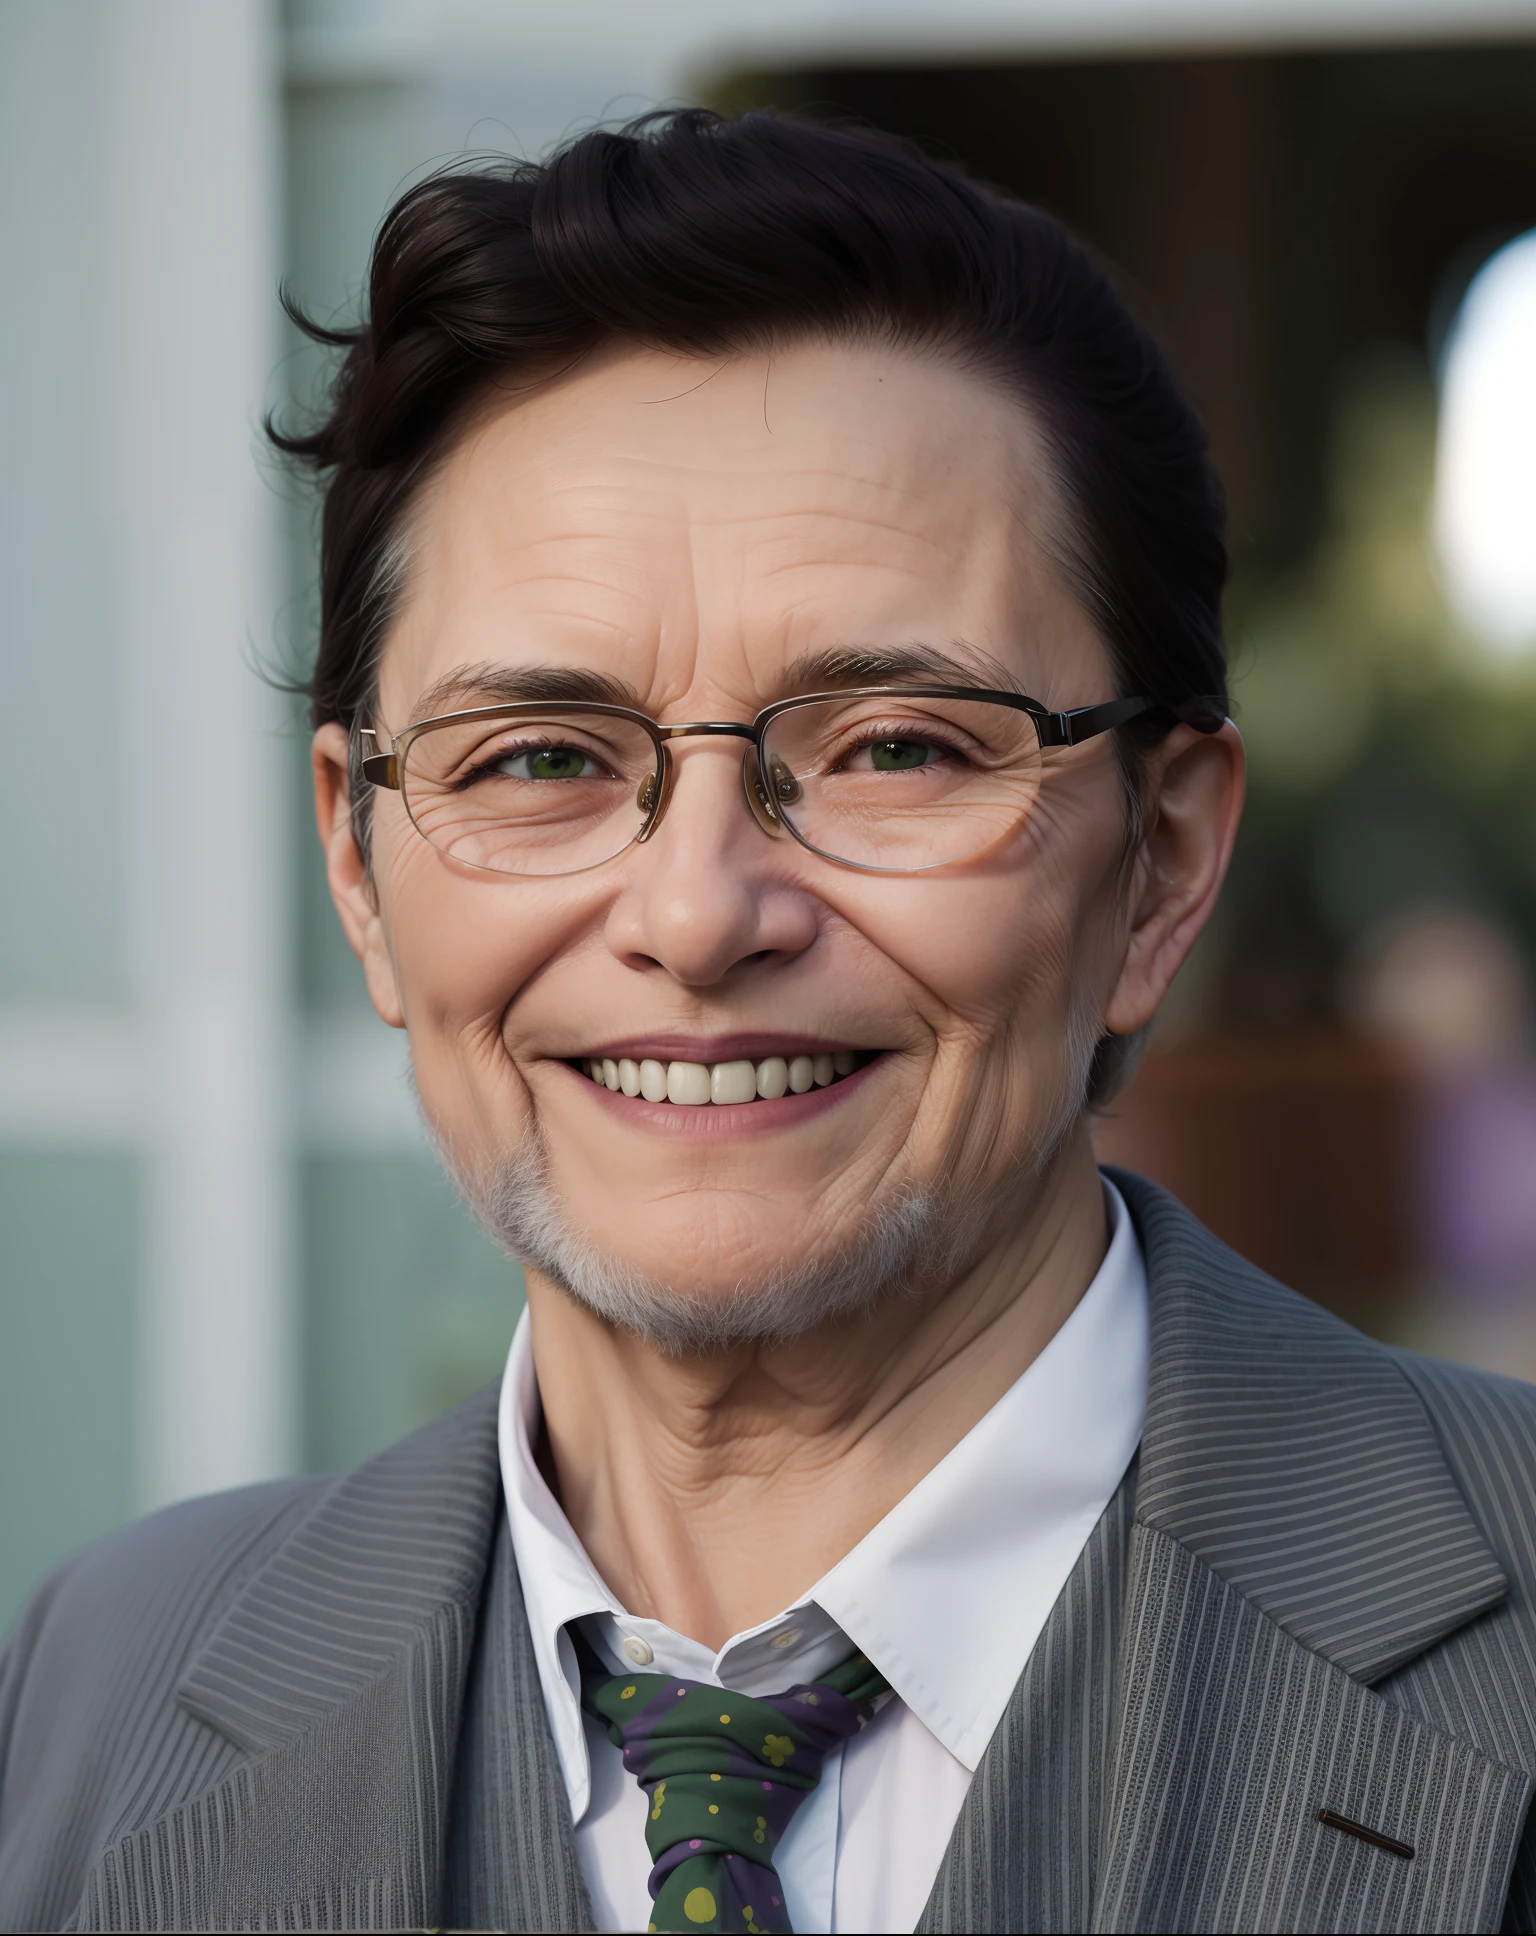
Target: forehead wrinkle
x=813 y=528
x=666 y=624
x=802 y=493
x=905 y=560
x=667 y=481
x=833 y=572
x=663 y=593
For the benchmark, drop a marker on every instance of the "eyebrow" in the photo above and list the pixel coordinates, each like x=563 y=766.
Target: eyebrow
x=840 y=666
x=831 y=669
x=503 y=685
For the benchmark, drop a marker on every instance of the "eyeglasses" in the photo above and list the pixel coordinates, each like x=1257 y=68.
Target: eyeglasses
x=893 y=779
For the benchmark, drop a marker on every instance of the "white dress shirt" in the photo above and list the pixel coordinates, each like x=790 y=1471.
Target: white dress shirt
x=946 y=1595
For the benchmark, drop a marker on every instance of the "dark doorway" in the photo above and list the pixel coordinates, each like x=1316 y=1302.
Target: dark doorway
x=1270 y=214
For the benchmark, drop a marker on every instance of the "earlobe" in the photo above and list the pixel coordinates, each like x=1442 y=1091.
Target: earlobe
x=352 y=889
x=1195 y=791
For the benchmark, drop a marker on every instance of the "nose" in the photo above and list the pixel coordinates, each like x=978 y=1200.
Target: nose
x=708 y=893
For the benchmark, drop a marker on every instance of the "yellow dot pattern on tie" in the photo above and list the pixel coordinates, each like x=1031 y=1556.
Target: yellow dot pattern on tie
x=734 y=1778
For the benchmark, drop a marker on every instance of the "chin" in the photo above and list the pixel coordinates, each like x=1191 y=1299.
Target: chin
x=711 y=1274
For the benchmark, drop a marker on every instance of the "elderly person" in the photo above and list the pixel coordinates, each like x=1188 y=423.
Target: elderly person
x=771 y=758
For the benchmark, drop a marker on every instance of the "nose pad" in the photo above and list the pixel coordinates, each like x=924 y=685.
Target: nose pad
x=783 y=785
x=655 y=791
x=764 y=811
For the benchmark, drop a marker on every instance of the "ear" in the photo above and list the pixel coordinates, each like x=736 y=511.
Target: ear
x=1194 y=801
x=345 y=869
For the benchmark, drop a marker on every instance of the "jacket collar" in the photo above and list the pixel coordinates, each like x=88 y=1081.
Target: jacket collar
x=1291 y=1455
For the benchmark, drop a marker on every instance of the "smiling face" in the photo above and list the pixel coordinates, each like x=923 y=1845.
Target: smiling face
x=706 y=537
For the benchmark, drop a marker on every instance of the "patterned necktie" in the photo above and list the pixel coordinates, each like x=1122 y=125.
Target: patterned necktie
x=724 y=1775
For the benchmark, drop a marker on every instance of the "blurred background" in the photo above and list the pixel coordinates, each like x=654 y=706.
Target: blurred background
x=224 y=1250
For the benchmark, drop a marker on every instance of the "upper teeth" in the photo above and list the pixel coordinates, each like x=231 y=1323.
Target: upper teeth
x=721 y=1082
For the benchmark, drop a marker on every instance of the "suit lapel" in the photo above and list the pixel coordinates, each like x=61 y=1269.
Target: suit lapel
x=340 y=1668
x=1233 y=1738
x=1298 y=1536
x=1202 y=1689
x=511 y=1857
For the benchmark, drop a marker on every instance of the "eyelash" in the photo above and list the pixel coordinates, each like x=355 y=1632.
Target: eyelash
x=875 y=735
x=879 y=736
x=492 y=761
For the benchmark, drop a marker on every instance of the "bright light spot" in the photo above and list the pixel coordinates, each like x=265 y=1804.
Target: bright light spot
x=1485 y=473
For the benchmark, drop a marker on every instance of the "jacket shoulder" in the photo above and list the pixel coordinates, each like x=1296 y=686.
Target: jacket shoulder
x=98 y=1735
x=101 y=1602
x=196 y=1546
x=1486 y=1425
x=1465 y=1391
x=88 y=1680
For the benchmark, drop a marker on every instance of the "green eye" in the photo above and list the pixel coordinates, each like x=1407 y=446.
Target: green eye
x=900 y=755
x=545 y=763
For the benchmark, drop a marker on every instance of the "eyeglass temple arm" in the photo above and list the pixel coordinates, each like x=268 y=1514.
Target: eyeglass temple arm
x=379 y=769
x=1206 y=713
x=1071 y=729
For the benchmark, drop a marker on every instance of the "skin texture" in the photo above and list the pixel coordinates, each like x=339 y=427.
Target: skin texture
x=694 y=528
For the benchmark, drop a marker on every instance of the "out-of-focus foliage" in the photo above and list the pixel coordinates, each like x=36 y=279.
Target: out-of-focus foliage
x=1393 y=758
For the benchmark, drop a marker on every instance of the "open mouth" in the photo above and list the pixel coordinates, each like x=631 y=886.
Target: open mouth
x=693 y=1084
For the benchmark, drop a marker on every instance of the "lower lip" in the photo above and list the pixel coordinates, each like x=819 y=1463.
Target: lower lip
x=714 y=1122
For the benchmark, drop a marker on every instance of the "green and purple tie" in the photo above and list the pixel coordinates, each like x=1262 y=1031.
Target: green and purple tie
x=724 y=1775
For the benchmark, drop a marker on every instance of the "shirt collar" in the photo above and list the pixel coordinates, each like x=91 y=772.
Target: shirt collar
x=950 y=1591
x=560 y=1584
x=947 y=1594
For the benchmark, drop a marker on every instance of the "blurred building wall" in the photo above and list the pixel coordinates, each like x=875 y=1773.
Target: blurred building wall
x=224 y=1251
x=143 y=1176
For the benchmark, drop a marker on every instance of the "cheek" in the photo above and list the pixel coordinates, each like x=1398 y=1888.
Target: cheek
x=987 y=953
x=462 y=948
x=972 y=954
x=997 y=958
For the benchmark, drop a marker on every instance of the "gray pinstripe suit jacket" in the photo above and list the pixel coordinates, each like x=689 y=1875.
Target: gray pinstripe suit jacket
x=314 y=1705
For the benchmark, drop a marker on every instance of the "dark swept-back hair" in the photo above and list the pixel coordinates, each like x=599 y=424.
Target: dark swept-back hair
x=690 y=233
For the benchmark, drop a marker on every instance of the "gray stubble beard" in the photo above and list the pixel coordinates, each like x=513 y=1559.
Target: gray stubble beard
x=521 y=1210
x=915 y=1237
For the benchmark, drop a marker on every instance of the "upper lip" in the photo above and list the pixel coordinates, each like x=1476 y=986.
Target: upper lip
x=741 y=1047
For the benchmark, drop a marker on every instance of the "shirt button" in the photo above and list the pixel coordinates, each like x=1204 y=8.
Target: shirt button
x=788 y=1638
x=638 y=1650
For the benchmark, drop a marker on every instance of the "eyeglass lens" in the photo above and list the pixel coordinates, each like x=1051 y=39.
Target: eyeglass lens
x=881 y=781
x=903 y=783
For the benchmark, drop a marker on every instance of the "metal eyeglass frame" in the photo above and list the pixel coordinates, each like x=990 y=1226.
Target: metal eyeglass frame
x=385 y=768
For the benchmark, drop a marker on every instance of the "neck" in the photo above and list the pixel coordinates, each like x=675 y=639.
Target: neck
x=712 y=1492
